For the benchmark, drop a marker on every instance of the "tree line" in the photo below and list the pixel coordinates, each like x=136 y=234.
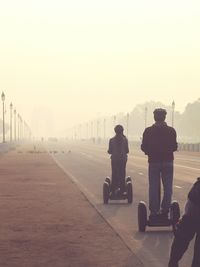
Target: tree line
x=187 y=123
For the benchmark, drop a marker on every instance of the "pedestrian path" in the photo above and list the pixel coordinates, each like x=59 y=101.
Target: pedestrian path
x=47 y=222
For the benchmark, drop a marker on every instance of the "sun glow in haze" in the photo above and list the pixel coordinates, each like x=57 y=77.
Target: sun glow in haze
x=66 y=62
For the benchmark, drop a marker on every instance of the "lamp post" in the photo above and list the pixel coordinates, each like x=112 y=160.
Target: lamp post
x=29 y=133
x=3 y=101
x=97 y=129
x=21 y=128
x=145 y=117
x=79 y=129
x=87 y=130
x=127 y=124
x=91 y=129
x=104 y=129
x=15 y=133
x=11 y=107
x=114 y=120
x=18 y=125
x=24 y=129
x=173 y=109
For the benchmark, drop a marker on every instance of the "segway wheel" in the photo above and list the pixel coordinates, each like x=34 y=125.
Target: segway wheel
x=128 y=179
x=174 y=213
x=129 y=189
x=108 y=180
x=106 y=192
x=142 y=216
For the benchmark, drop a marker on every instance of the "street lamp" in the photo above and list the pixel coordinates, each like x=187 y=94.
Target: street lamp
x=3 y=100
x=24 y=127
x=11 y=107
x=127 y=124
x=97 y=129
x=29 y=133
x=21 y=127
x=114 y=120
x=87 y=130
x=80 y=131
x=91 y=129
x=18 y=126
x=15 y=124
x=104 y=129
x=173 y=108
x=145 y=117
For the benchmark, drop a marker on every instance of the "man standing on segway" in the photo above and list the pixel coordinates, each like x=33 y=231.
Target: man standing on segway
x=159 y=143
x=118 y=148
x=187 y=228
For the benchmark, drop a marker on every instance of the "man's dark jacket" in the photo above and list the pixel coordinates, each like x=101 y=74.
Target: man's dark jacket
x=118 y=147
x=159 y=143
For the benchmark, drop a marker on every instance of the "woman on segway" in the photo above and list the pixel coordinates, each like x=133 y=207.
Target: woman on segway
x=118 y=149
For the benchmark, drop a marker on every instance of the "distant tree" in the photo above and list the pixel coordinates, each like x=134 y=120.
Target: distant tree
x=187 y=124
x=190 y=122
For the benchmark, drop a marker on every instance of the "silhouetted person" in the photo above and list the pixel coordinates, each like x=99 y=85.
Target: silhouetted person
x=159 y=143
x=118 y=148
x=187 y=228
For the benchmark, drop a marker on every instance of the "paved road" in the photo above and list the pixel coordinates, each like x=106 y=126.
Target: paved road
x=89 y=164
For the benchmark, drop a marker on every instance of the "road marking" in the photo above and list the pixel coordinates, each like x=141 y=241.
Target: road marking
x=188 y=159
x=141 y=173
x=177 y=186
x=123 y=235
x=86 y=155
x=186 y=167
x=114 y=223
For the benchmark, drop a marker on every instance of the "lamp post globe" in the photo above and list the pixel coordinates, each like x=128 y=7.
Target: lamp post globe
x=3 y=96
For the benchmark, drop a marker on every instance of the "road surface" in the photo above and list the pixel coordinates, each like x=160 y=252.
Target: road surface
x=88 y=164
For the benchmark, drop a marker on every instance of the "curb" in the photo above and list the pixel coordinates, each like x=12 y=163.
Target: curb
x=86 y=194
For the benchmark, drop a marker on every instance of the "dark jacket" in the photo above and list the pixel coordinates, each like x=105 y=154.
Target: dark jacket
x=118 y=147
x=159 y=143
x=187 y=228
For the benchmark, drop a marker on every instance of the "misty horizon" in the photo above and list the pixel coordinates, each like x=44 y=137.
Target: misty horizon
x=66 y=63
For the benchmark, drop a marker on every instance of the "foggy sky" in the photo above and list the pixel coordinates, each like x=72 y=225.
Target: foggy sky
x=67 y=62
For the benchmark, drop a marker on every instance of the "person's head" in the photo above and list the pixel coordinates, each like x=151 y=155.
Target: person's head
x=119 y=129
x=160 y=114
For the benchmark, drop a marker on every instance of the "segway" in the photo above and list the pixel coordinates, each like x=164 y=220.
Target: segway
x=171 y=220
x=109 y=195
x=174 y=215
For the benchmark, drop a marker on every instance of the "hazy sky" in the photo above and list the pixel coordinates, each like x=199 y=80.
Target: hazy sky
x=64 y=62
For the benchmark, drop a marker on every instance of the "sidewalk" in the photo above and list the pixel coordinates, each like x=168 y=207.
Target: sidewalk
x=45 y=221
